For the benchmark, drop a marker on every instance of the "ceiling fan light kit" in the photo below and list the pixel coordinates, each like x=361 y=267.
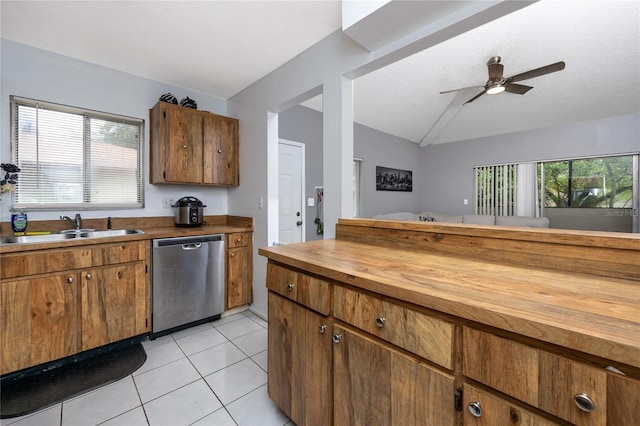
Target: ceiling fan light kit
x=498 y=84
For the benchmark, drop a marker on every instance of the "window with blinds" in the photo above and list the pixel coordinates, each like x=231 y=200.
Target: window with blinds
x=73 y=158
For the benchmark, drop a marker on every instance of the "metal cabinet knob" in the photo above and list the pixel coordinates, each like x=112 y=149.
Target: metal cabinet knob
x=380 y=321
x=70 y=280
x=584 y=403
x=88 y=276
x=219 y=151
x=337 y=338
x=233 y=255
x=322 y=328
x=184 y=146
x=239 y=240
x=475 y=409
x=290 y=286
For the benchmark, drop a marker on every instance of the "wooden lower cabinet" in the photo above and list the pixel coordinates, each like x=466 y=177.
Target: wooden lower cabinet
x=377 y=385
x=39 y=320
x=484 y=409
x=239 y=286
x=623 y=400
x=299 y=362
x=113 y=304
x=103 y=297
x=546 y=381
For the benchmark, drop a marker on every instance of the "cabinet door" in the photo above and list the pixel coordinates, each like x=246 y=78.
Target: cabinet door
x=239 y=280
x=376 y=385
x=299 y=362
x=184 y=146
x=113 y=304
x=39 y=320
x=220 y=151
x=623 y=400
x=483 y=409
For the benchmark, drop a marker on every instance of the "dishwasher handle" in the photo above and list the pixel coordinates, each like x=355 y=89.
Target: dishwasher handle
x=192 y=246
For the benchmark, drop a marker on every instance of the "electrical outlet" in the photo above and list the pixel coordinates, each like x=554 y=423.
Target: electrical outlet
x=167 y=202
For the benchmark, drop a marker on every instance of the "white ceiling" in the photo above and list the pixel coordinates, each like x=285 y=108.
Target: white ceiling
x=220 y=47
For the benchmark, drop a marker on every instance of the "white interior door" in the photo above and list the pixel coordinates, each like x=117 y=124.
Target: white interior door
x=291 y=192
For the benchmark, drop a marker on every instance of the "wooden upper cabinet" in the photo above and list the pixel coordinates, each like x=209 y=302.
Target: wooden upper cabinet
x=193 y=147
x=220 y=151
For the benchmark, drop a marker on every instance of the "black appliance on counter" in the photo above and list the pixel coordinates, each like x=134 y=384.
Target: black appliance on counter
x=189 y=212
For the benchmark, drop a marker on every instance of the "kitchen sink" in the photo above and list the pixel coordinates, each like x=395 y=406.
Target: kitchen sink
x=110 y=233
x=83 y=233
x=37 y=238
x=76 y=231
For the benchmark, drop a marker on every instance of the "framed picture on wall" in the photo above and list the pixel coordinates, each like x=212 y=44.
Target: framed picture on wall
x=388 y=179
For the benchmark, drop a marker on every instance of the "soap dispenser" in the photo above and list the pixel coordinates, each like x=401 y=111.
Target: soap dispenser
x=19 y=221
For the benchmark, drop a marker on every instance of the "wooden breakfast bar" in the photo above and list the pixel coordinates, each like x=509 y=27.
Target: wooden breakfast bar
x=499 y=325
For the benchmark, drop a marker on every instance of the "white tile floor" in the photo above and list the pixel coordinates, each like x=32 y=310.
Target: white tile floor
x=212 y=374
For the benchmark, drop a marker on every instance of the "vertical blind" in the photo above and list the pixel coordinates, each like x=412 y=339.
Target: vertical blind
x=507 y=190
x=495 y=189
x=75 y=158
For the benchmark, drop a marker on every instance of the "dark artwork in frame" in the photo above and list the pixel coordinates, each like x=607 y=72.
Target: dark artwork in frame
x=389 y=179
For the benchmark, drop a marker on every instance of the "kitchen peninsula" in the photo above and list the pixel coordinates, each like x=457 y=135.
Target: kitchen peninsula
x=423 y=323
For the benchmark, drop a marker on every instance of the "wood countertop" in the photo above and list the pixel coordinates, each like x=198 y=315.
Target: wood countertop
x=596 y=315
x=153 y=228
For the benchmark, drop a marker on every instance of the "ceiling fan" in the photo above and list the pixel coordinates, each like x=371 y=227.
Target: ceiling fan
x=498 y=84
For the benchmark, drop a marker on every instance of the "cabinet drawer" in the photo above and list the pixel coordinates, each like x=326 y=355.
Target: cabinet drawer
x=484 y=409
x=110 y=254
x=312 y=292
x=410 y=329
x=45 y=261
x=238 y=239
x=544 y=380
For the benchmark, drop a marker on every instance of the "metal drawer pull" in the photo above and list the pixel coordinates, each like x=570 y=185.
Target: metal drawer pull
x=584 y=403
x=380 y=322
x=475 y=409
x=322 y=328
x=337 y=338
x=290 y=286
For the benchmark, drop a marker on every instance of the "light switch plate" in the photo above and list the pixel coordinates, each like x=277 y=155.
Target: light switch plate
x=311 y=202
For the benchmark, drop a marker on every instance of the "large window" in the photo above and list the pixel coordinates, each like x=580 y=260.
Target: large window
x=72 y=158
x=599 y=193
x=605 y=182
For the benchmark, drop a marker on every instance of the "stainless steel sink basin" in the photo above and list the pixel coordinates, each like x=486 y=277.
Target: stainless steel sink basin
x=84 y=233
x=37 y=238
x=110 y=233
x=76 y=231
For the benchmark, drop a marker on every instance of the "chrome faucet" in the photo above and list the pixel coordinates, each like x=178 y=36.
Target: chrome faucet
x=77 y=221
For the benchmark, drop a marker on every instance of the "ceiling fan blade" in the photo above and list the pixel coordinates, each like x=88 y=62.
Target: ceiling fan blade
x=519 y=89
x=475 y=97
x=463 y=88
x=558 y=66
x=495 y=72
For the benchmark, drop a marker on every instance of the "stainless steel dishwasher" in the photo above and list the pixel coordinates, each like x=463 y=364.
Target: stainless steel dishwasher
x=188 y=282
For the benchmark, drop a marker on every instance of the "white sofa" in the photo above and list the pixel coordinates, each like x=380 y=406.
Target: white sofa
x=473 y=219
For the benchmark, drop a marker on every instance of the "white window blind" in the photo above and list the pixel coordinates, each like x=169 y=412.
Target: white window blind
x=72 y=158
x=495 y=189
x=507 y=190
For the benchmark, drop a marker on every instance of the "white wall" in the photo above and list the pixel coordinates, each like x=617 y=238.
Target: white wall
x=38 y=74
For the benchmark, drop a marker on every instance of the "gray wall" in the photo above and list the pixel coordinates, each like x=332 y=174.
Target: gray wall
x=375 y=148
x=38 y=74
x=380 y=149
x=447 y=169
x=300 y=124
